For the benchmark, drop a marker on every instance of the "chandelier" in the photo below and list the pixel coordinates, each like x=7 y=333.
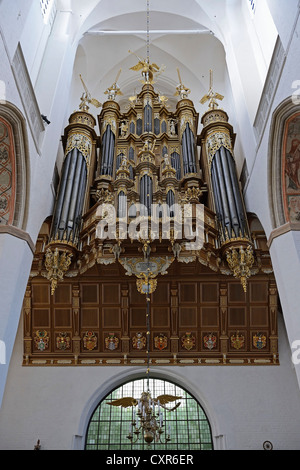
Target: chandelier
x=147 y=422
x=147 y=417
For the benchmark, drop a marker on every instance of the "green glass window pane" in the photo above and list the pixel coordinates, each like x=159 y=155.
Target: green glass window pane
x=188 y=424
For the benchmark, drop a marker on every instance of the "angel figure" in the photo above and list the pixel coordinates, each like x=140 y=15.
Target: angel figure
x=148 y=70
x=114 y=89
x=86 y=98
x=182 y=90
x=211 y=96
x=146 y=402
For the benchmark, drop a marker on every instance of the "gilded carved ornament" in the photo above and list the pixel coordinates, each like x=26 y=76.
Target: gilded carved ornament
x=240 y=260
x=215 y=141
x=181 y=90
x=147 y=70
x=82 y=142
x=114 y=89
x=86 y=99
x=186 y=118
x=57 y=263
x=211 y=96
x=109 y=121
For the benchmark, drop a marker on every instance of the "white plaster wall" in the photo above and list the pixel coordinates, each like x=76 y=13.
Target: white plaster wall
x=13 y=280
x=246 y=405
x=257 y=193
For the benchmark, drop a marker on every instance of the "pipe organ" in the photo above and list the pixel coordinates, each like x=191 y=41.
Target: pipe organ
x=131 y=202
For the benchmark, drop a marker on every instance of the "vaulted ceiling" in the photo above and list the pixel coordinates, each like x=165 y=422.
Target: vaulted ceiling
x=184 y=35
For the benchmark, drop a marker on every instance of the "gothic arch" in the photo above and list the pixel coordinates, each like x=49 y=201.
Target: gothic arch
x=13 y=124
x=279 y=148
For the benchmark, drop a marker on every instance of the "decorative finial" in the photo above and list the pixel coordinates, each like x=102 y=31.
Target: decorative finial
x=87 y=98
x=211 y=95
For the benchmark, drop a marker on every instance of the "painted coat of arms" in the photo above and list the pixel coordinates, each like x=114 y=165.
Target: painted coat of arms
x=90 y=340
x=111 y=342
x=139 y=341
x=237 y=341
x=160 y=342
x=259 y=341
x=41 y=340
x=188 y=341
x=210 y=341
x=63 y=341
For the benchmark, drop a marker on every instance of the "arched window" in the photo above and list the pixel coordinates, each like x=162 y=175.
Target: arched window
x=188 y=424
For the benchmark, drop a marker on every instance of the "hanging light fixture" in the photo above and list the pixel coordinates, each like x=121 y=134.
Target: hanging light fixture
x=147 y=417
x=148 y=420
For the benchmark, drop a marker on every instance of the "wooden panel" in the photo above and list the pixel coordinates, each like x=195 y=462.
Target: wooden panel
x=259 y=292
x=259 y=316
x=209 y=292
x=111 y=317
x=62 y=317
x=41 y=294
x=90 y=293
x=188 y=317
x=89 y=317
x=135 y=296
x=210 y=316
x=237 y=316
x=162 y=294
x=138 y=317
x=63 y=294
x=188 y=292
x=160 y=317
x=41 y=317
x=111 y=293
x=236 y=293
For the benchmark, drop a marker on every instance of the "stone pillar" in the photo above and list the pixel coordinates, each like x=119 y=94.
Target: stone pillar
x=16 y=254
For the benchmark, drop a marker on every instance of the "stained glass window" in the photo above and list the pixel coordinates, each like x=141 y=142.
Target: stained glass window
x=188 y=424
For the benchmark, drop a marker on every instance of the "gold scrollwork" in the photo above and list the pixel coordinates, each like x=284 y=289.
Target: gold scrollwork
x=57 y=263
x=215 y=141
x=240 y=261
x=109 y=121
x=82 y=142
